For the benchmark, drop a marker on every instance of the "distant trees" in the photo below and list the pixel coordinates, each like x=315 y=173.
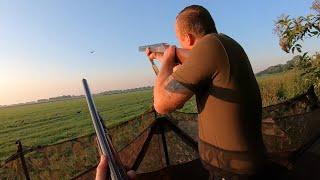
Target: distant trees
x=63 y=97
x=294 y=62
x=126 y=90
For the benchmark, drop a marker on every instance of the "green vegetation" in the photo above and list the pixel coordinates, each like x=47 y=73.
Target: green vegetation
x=47 y=123
x=292 y=31
x=285 y=84
x=279 y=86
x=52 y=122
x=305 y=69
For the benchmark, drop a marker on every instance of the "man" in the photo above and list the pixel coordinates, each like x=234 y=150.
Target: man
x=219 y=74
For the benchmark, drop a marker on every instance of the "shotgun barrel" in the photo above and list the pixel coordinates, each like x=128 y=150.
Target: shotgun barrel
x=117 y=171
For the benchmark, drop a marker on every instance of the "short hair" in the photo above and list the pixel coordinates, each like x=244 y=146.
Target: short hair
x=196 y=20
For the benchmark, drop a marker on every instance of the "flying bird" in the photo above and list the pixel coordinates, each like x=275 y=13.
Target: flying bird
x=92 y=52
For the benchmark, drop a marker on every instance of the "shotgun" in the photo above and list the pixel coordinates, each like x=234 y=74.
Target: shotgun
x=160 y=48
x=117 y=171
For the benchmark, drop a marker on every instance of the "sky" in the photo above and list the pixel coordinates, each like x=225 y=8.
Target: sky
x=45 y=45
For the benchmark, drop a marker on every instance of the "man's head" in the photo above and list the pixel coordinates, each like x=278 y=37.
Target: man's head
x=192 y=23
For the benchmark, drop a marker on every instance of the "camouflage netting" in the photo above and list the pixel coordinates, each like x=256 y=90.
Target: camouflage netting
x=166 y=146
x=298 y=105
x=70 y=158
x=58 y=161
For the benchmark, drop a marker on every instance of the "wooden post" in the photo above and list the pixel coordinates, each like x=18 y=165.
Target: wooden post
x=23 y=162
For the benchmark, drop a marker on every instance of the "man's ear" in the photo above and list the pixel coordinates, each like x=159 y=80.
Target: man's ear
x=190 y=39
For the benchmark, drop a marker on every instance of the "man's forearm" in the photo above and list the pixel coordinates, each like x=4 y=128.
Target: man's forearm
x=160 y=95
x=169 y=94
x=165 y=71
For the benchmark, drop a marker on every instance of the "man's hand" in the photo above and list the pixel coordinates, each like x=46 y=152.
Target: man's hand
x=167 y=57
x=153 y=55
x=103 y=171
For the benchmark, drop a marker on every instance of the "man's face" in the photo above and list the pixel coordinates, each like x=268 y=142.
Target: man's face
x=182 y=39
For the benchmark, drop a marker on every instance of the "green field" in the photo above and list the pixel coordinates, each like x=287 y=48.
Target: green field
x=47 y=123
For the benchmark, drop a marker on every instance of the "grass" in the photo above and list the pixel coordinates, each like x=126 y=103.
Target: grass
x=48 y=123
